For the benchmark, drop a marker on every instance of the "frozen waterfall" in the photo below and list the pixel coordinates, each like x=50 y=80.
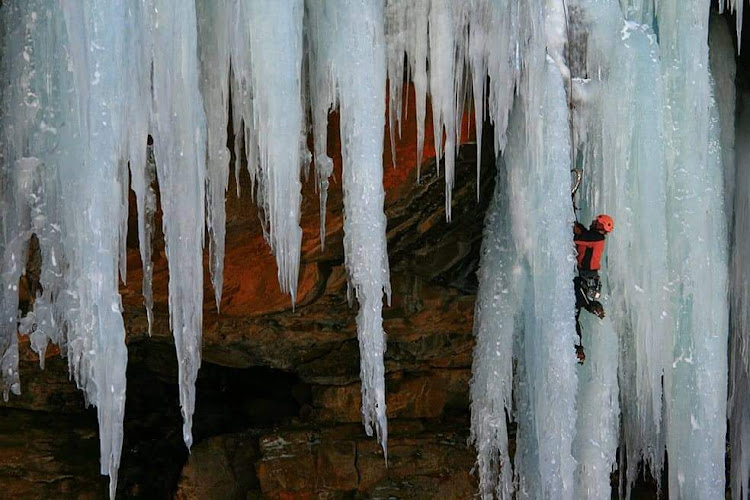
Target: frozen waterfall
x=631 y=92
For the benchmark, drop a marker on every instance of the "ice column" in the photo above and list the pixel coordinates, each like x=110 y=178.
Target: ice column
x=179 y=130
x=619 y=115
x=538 y=159
x=494 y=326
x=96 y=333
x=695 y=381
x=351 y=34
x=597 y=425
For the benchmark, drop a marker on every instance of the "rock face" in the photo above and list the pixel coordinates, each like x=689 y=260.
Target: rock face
x=278 y=397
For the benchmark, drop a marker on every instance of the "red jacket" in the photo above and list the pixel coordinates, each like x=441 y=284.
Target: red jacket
x=590 y=246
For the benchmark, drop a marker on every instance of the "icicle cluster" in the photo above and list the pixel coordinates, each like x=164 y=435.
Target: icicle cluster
x=86 y=83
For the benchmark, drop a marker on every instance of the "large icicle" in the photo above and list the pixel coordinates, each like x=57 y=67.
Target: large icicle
x=179 y=130
x=64 y=171
x=351 y=33
x=138 y=153
x=538 y=159
x=696 y=380
x=96 y=334
x=213 y=46
x=266 y=54
x=447 y=33
x=275 y=31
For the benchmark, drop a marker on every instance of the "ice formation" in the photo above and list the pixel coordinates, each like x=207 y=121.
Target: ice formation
x=622 y=158
x=739 y=379
x=348 y=42
x=624 y=90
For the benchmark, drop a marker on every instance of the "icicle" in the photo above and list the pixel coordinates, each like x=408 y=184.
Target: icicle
x=213 y=46
x=494 y=324
x=493 y=41
x=447 y=30
x=351 y=34
x=139 y=153
x=397 y=31
x=96 y=333
x=266 y=53
x=416 y=47
x=322 y=99
x=275 y=31
x=695 y=382
x=735 y=6
x=179 y=130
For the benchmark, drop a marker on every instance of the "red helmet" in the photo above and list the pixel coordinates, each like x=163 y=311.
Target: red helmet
x=605 y=223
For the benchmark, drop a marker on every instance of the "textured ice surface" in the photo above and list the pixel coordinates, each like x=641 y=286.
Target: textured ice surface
x=597 y=405
x=495 y=318
x=538 y=156
x=695 y=381
x=624 y=171
x=179 y=131
x=348 y=39
x=267 y=47
x=213 y=45
x=85 y=83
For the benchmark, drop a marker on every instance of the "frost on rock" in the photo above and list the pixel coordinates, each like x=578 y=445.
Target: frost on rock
x=352 y=35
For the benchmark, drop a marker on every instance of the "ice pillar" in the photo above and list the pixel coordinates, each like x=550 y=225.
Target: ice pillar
x=696 y=379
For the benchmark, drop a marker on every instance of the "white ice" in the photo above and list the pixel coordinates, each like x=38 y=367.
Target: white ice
x=348 y=38
x=179 y=131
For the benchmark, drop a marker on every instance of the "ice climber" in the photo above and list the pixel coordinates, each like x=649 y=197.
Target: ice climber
x=590 y=247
